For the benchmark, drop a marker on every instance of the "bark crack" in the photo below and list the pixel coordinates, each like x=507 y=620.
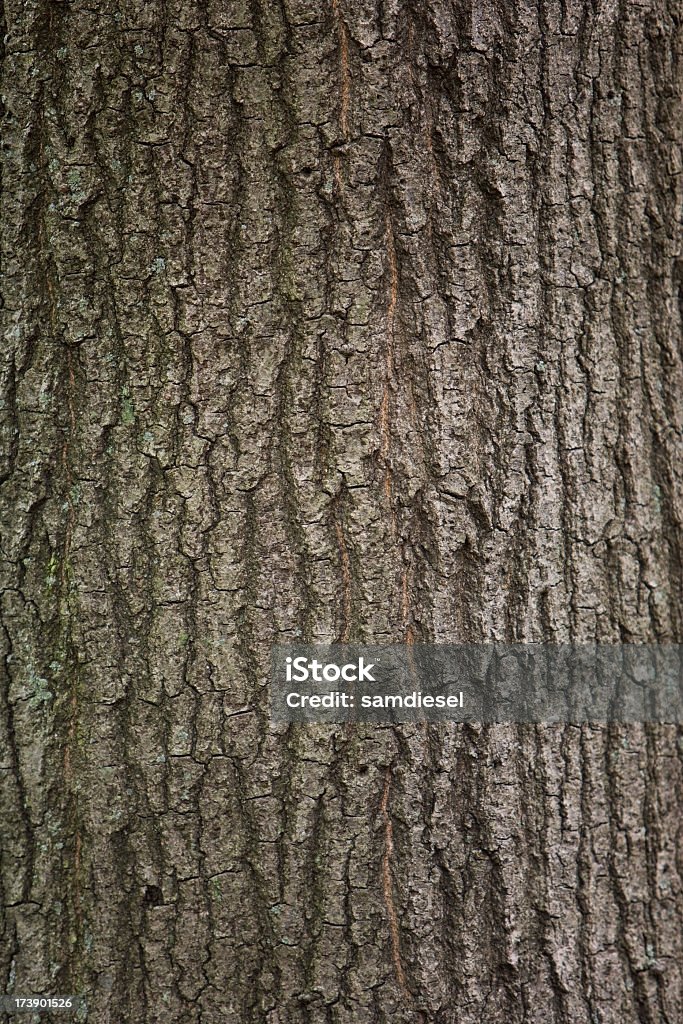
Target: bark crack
x=388 y=890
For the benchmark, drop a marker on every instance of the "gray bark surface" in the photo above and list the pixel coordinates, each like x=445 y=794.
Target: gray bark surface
x=336 y=320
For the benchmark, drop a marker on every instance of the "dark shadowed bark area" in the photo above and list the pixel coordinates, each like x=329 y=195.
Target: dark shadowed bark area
x=337 y=320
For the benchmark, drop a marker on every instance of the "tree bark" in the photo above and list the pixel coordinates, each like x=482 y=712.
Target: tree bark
x=336 y=320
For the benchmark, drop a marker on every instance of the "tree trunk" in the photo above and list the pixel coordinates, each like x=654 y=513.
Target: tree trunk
x=336 y=320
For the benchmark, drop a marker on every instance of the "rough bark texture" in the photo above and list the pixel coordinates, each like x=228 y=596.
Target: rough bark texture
x=338 y=320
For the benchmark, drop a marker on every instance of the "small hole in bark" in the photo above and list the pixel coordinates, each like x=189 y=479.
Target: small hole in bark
x=153 y=896
x=363 y=770
x=307 y=171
